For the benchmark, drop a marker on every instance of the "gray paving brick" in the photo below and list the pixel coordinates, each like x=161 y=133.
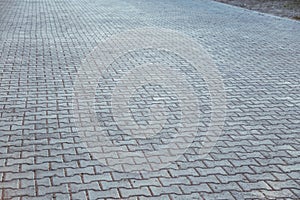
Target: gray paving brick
x=28 y=161
x=266 y=169
x=260 y=177
x=13 y=193
x=173 y=189
x=117 y=176
x=42 y=190
x=203 y=179
x=188 y=164
x=97 y=177
x=188 y=189
x=247 y=195
x=163 y=197
x=48 y=159
x=183 y=172
x=218 y=163
x=221 y=196
x=174 y=181
x=260 y=185
x=26 y=167
x=243 y=170
x=210 y=171
x=65 y=180
x=232 y=178
x=189 y=196
x=19 y=175
x=74 y=157
x=155 y=174
x=142 y=191
x=231 y=186
x=48 y=196
x=112 y=193
x=145 y=182
x=61 y=165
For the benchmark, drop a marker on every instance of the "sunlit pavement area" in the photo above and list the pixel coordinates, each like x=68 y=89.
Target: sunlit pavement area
x=43 y=47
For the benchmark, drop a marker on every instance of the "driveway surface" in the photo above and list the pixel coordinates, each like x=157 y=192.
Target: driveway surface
x=50 y=149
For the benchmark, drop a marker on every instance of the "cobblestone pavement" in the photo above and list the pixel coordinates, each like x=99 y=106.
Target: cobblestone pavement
x=42 y=47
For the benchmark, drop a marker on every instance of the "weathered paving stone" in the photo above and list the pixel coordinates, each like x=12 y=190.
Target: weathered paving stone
x=145 y=182
x=42 y=46
x=188 y=189
x=173 y=189
x=174 y=181
x=112 y=193
x=142 y=191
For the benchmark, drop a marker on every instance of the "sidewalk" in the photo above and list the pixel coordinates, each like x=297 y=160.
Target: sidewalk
x=46 y=45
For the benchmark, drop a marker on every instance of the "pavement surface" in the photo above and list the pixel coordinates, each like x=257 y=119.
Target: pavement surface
x=45 y=45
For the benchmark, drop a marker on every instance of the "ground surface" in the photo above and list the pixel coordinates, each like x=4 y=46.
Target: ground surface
x=283 y=8
x=42 y=45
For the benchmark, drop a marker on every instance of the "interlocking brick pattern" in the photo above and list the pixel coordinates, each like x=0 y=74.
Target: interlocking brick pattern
x=42 y=45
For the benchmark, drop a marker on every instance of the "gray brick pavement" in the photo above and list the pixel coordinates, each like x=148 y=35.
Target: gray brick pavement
x=42 y=45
